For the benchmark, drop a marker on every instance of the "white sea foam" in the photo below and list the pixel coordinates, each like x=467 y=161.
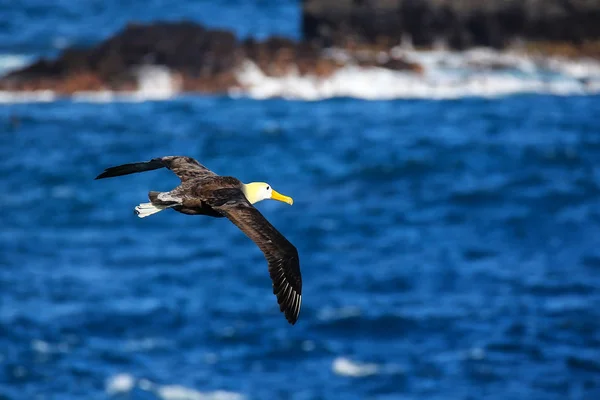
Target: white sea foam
x=104 y=96
x=446 y=75
x=345 y=367
x=176 y=392
x=124 y=383
x=40 y=96
x=107 y=96
x=478 y=73
x=121 y=383
x=156 y=82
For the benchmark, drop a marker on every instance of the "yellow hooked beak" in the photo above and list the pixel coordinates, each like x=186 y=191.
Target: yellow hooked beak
x=278 y=196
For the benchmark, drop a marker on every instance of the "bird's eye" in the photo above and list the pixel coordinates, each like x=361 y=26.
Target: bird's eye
x=268 y=188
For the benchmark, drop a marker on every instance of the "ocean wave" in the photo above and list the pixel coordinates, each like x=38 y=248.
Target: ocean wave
x=346 y=367
x=446 y=75
x=38 y=96
x=104 y=96
x=125 y=383
x=176 y=392
x=154 y=83
x=120 y=383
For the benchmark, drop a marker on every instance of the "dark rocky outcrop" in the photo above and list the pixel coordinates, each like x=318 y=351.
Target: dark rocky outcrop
x=458 y=23
x=206 y=60
x=202 y=60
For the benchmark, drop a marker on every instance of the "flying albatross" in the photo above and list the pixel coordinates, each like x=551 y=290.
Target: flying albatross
x=202 y=192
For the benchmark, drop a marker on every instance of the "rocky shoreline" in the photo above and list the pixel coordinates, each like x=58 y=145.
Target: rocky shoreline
x=459 y=24
x=366 y=31
x=199 y=60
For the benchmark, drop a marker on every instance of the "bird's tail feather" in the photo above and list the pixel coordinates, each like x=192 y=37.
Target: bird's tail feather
x=131 y=168
x=144 y=210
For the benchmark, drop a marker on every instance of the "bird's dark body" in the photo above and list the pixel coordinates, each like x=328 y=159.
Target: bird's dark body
x=199 y=196
x=203 y=209
x=202 y=192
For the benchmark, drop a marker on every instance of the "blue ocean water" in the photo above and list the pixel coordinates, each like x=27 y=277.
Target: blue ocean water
x=449 y=249
x=41 y=27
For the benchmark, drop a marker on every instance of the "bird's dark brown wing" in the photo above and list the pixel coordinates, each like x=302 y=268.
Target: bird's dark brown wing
x=184 y=167
x=281 y=255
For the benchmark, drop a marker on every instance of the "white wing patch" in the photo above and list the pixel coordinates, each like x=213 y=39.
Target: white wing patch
x=168 y=197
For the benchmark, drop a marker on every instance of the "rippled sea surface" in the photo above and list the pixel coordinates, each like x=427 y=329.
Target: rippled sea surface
x=449 y=249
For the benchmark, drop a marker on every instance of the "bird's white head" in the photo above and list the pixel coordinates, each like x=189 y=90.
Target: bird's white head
x=258 y=191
